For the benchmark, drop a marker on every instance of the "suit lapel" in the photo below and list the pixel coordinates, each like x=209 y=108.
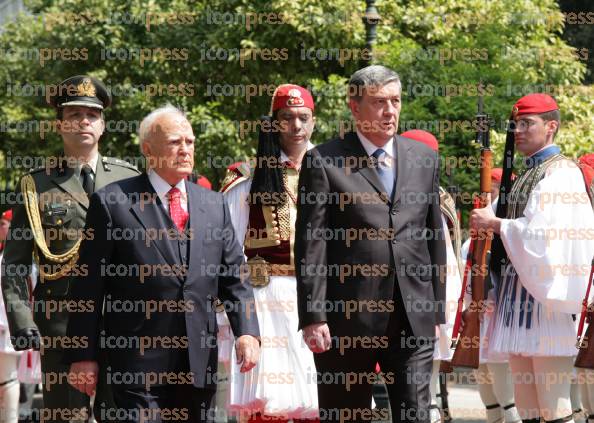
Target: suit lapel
x=68 y=182
x=154 y=219
x=403 y=160
x=363 y=162
x=196 y=228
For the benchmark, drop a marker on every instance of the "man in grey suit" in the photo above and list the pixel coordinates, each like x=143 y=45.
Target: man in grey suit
x=368 y=255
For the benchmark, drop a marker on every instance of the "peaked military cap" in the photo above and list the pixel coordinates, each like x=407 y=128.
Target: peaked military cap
x=81 y=90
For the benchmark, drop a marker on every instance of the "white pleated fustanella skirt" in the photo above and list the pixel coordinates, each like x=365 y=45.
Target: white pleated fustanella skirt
x=283 y=383
x=524 y=326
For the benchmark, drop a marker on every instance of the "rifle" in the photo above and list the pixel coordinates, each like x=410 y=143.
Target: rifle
x=585 y=356
x=453 y=190
x=467 y=343
x=443 y=395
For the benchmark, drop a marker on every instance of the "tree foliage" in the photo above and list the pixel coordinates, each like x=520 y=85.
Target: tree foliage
x=446 y=51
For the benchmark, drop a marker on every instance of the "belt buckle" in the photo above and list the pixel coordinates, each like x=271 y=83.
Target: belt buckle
x=259 y=272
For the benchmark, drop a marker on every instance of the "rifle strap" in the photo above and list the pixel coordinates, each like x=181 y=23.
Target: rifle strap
x=588 y=174
x=465 y=273
x=498 y=254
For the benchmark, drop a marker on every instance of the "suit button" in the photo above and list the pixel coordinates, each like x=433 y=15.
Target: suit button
x=393 y=241
x=48 y=292
x=393 y=211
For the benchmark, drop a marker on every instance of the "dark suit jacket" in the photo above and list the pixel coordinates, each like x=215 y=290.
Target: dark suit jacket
x=333 y=272
x=186 y=319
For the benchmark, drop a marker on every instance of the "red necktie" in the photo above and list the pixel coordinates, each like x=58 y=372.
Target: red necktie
x=178 y=215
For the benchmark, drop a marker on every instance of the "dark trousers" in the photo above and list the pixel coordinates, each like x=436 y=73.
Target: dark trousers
x=61 y=402
x=180 y=403
x=346 y=376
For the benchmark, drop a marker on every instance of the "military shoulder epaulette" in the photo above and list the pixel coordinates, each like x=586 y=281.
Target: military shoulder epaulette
x=236 y=173
x=36 y=170
x=119 y=162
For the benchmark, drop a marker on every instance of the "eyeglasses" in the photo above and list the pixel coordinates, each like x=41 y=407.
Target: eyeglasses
x=522 y=124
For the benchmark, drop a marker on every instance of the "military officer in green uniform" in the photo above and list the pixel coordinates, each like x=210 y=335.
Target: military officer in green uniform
x=48 y=226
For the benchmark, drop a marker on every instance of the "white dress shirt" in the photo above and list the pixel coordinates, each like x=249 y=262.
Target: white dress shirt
x=162 y=188
x=387 y=158
x=285 y=158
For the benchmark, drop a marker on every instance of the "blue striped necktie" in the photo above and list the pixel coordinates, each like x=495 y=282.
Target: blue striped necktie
x=384 y=171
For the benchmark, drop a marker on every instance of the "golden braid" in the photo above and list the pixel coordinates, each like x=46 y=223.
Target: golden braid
x=67 y=259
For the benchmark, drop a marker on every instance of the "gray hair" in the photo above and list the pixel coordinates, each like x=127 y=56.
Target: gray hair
x=146 y=126
x=370 y=76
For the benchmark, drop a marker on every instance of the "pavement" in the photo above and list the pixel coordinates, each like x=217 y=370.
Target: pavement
x=464 y=400
x=465 y=404
x=463 y=396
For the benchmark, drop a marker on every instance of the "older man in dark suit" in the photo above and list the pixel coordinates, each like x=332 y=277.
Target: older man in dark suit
x=163 y=251
x=368 y=253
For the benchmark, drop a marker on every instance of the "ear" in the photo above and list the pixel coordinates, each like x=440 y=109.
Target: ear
x=146 y=148
x=354 y=106
x=146 y=152
x=552 y=126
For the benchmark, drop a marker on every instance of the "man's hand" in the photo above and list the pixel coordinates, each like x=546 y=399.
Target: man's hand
x=83 y=376
x=317 y=337
x=247 y=348
x=488 y=309
x=484 y=219
x=463 y=319
x=26 y=339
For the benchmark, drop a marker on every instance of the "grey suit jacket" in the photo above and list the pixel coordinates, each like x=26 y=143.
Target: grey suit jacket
x=355 y=246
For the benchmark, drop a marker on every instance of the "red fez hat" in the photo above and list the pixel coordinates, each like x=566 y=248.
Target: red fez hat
x=497 y=174
x=204 y=182
x=234 y=166
x=200 y=180
x=289 y=95
x=534 y=104
x=587 y=159
x=7 y=215
x=425 y=137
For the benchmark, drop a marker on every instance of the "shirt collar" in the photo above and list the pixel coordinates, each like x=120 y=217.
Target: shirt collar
x=541 y=155
x=371 y=147
x=161 y=186
x=284 y=158
x=92 y=164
